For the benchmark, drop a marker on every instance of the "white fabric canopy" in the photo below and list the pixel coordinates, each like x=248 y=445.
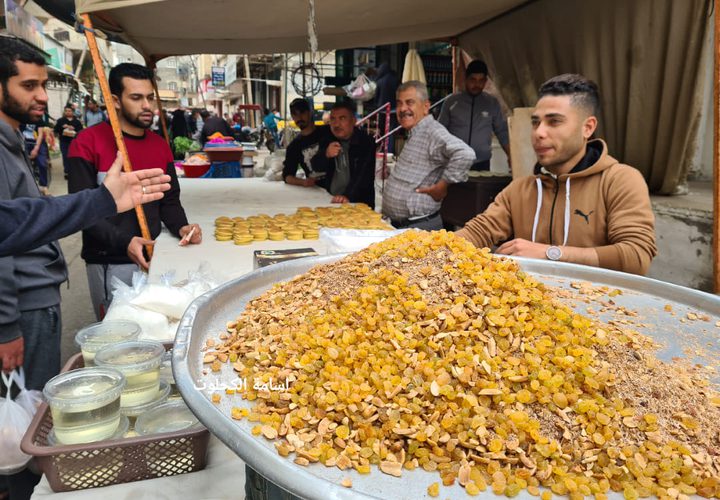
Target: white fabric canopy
x=170 y=27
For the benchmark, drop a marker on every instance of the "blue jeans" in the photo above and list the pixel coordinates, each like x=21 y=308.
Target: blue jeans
x=64 y=148
x=41 y=329
x=40 y=162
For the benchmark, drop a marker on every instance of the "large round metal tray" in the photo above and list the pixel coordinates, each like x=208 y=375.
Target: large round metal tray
x=207 y=316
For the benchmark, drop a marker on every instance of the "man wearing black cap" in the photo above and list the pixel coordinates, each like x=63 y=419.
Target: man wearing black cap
x=473 y=115
x=306 y=145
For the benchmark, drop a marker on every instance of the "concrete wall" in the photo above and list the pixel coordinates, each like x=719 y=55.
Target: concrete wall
x=701 y=167
x=684 y=240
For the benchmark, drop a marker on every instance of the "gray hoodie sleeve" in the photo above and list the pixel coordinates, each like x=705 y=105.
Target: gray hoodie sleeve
x=9 y=314
x=500 y=126
x=444 y=117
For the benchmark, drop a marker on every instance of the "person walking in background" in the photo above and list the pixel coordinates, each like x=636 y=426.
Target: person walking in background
x=66 y=129
x=93 y=114
x=179 y=124
x=270 y=123
x=387 y=83
x=36 y=147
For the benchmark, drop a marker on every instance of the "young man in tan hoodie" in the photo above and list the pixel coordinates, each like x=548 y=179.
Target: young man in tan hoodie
x=582 y=205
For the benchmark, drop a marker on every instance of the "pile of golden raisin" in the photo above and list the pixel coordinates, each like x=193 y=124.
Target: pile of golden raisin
x=423 y=351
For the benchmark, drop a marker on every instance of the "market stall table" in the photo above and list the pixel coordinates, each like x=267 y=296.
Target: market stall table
x=204 y=200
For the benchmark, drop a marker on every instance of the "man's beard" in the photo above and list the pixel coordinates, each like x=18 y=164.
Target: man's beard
x=135 y=120
x=12 y=108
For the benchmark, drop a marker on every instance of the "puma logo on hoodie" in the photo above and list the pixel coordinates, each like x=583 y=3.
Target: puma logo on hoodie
x=584 y=216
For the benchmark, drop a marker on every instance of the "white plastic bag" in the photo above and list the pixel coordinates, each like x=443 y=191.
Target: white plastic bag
x=362 y=88
x=353 y=240
x=14 y=422
x=153 y=324
x=157 y=307
x=275 y=167
x=167 y=300
x=29 y=399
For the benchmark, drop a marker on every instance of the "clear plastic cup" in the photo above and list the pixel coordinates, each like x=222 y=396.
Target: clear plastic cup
x=94 y=337
x=139 y=361
x=85 y=404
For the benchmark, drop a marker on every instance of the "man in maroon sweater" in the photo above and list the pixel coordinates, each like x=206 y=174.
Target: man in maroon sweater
x=115 y=247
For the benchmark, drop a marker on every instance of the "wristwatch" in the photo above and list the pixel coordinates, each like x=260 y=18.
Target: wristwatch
x=553 y=253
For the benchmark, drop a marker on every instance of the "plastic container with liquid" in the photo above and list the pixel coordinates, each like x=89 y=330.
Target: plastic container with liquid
x=94 y=337
x=85 y=404
x=139 y=361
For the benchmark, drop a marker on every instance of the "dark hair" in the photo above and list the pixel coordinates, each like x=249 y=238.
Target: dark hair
x=345 y=104
x=12 y=50
x=69 y=106
x=476 y=66
x=204 y=114
x=582 y=91
x=299 y=105
x=266 y=111
x=130 y=70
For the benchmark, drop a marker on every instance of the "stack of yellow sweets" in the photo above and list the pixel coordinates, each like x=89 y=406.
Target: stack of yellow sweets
x=304 y=224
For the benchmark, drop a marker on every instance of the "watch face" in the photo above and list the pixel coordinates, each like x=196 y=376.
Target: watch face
x=553 y=253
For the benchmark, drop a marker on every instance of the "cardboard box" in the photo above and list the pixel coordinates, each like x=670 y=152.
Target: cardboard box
x=264 y=258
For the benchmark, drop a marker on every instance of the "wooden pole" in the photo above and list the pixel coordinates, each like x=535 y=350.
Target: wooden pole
x=161 y=113
x=716 y=151
x=114 y=121
x=248 y=86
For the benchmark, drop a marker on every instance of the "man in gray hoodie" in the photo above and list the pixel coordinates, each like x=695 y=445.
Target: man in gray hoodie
x=473 y=116
x=29 y=282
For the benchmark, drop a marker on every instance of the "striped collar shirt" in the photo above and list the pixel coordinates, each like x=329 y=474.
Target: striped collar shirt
x=431 y=153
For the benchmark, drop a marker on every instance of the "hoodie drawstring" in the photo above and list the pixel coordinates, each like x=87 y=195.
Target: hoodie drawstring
x=566 y=229
x=539 y=206
x=566 y=226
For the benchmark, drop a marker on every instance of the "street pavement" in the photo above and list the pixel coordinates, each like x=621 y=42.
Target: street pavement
x=76 y=306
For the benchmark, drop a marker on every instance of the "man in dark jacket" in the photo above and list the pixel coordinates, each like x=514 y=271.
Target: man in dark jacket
x=304 y=147
x=115 y=247
x=67 y=128
x=387 y=83
x=29 y=282
x=348 y=158
x=212 y=124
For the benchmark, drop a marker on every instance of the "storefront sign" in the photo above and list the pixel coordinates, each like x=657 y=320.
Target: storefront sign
x=218 y=76
x=23 y=25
